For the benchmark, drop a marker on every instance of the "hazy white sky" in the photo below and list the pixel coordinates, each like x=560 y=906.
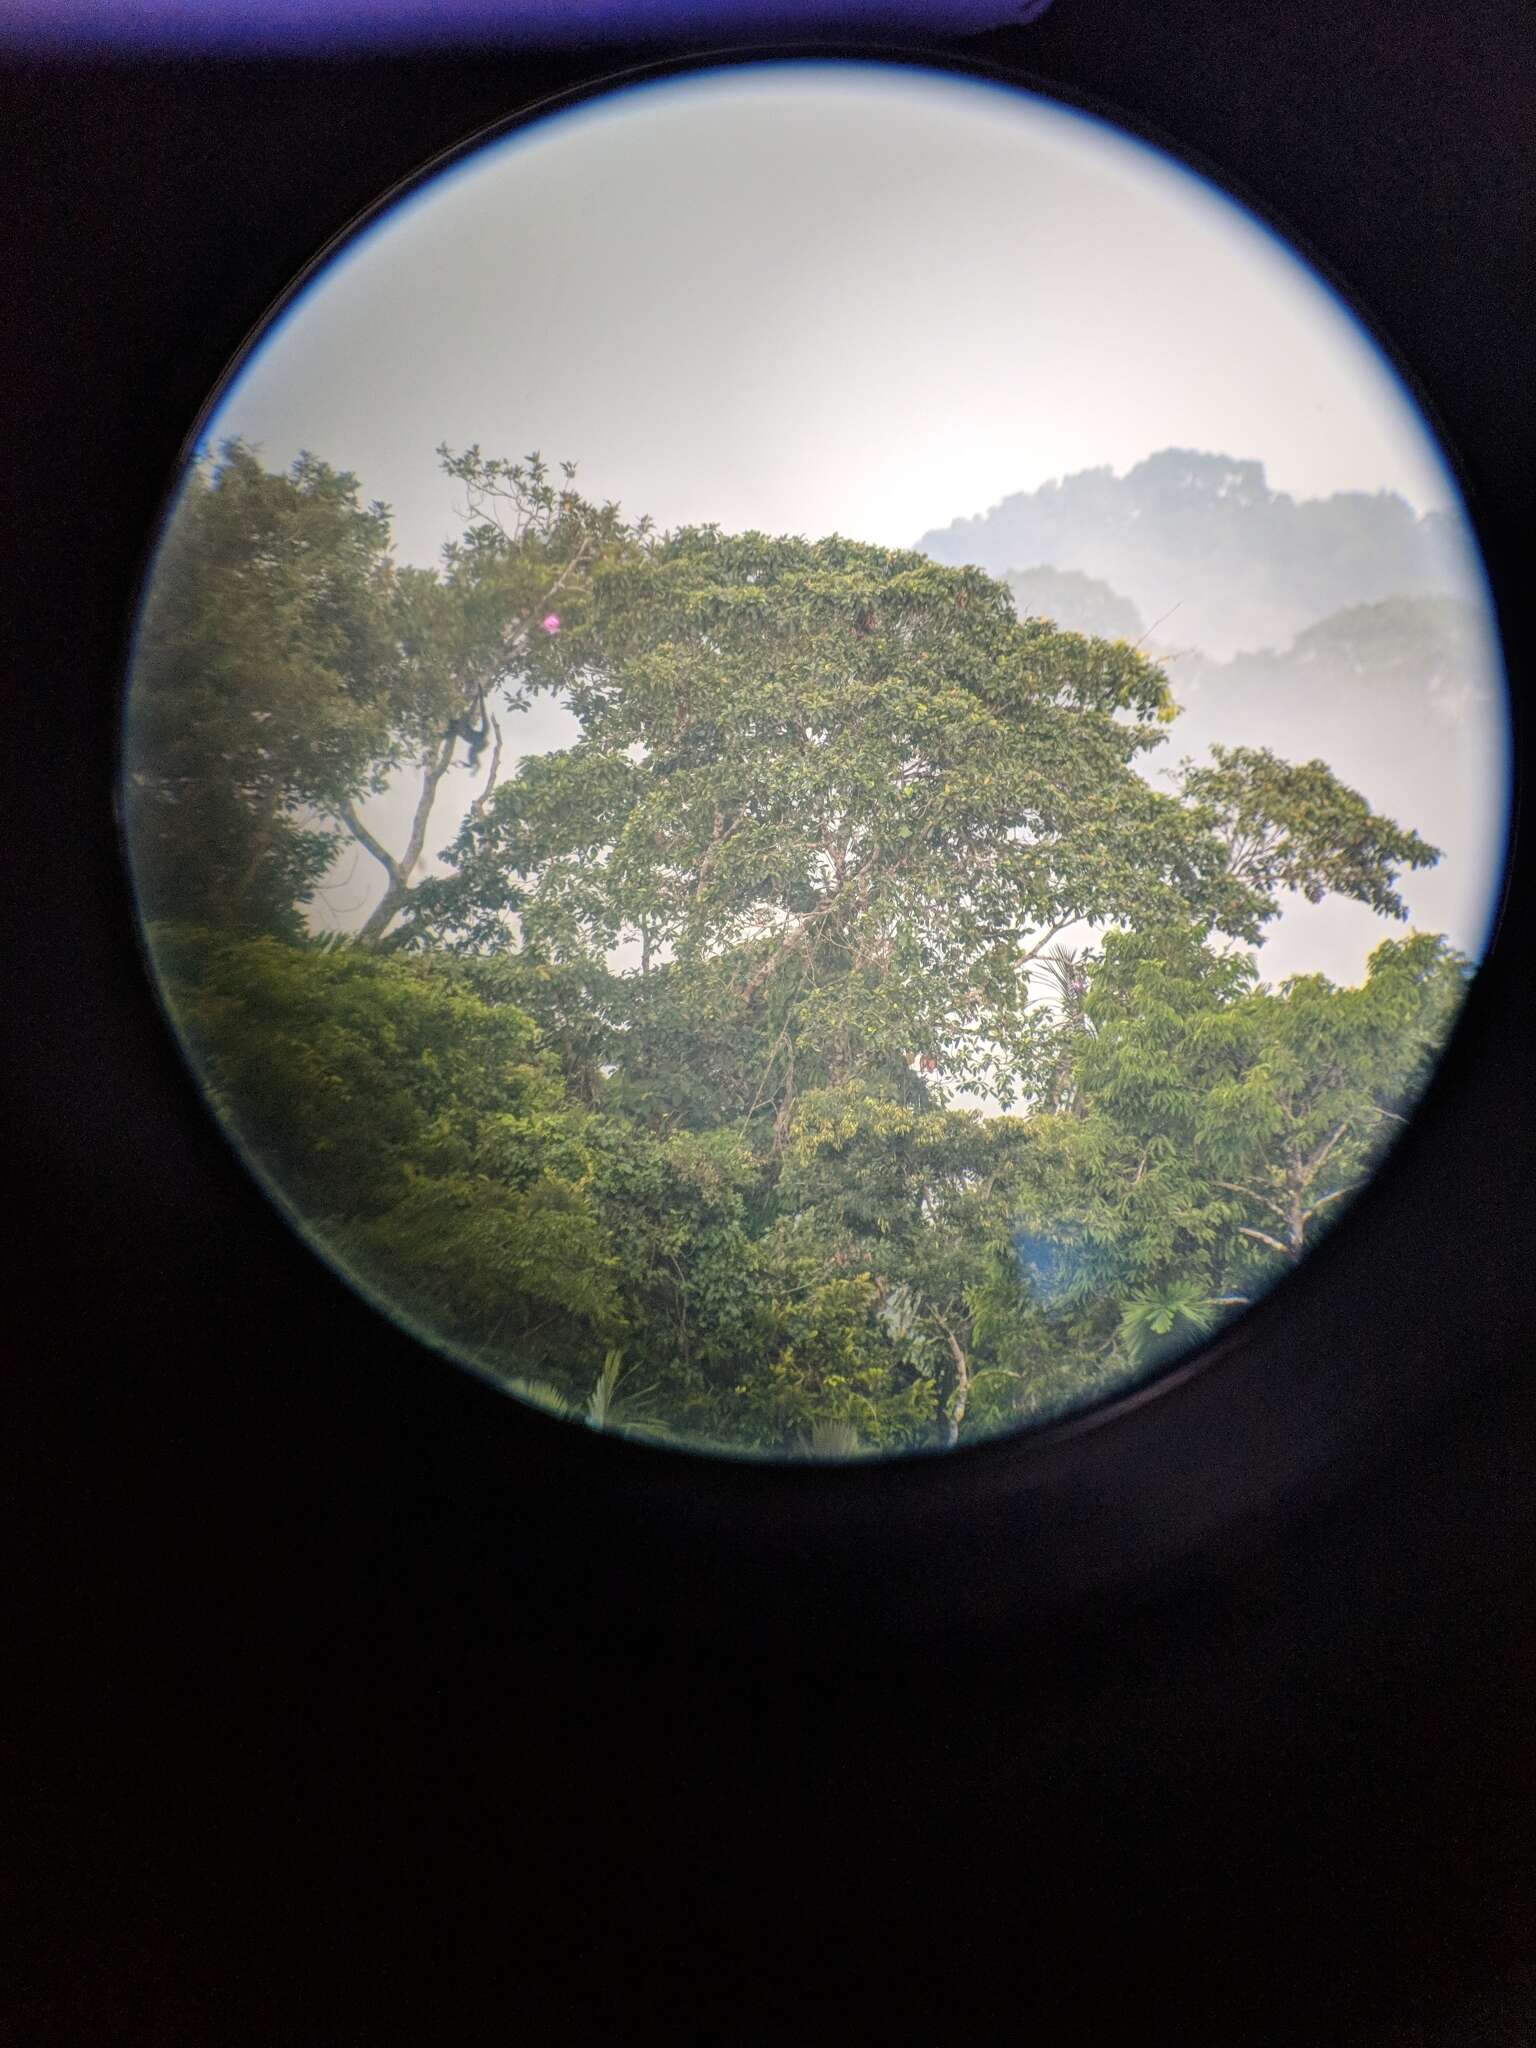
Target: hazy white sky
x=839 y=297
x=826 y=297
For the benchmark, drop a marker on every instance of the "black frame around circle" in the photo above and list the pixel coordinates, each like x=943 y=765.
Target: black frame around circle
x=1340 y=1362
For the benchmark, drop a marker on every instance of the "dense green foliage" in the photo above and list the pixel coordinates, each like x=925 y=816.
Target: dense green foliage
x=732 y=1082
x=263 y=676
x=1214 y=1126
x=420 y=1131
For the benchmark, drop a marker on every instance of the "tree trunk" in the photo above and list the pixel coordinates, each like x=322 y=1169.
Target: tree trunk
x=260 y=845
x=383 y=912
x=954 y=1401
x=786 y=1106
x=1295 y=1223
x=398 y=890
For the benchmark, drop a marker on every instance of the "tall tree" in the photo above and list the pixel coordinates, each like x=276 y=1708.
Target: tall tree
x=476 y=639
x=1294 y=825
x=836 y=800
x=1223 y=1125
x=262 y=688
x=836 y=790
x=286 y=670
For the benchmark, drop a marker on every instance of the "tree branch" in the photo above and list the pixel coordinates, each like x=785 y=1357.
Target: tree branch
x=400 y=871
x=1319 y=1159
x=430 y=780
x=365 y=839
x=1252 y=1195
x=477 y=808
x=1033 y=951
x=1263 y=1237
x=517 y=636
x=953 y=1412
x=801 y=926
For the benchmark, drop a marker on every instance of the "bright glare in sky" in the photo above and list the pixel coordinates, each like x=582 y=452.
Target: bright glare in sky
x=823 y=297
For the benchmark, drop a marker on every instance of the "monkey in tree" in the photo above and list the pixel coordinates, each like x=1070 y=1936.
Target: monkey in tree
x=473 y=727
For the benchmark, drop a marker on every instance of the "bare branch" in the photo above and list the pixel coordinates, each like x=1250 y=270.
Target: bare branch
x=477 y=808
x=1315 y=1164
x=1263 y=1237
x=1167 y=615
x=1033 y=951
x=400 y=871
x=354 y=824
x=955 y=1407
x=1252 y=1195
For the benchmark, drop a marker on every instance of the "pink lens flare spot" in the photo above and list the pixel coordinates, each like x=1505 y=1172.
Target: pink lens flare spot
x=551 y=622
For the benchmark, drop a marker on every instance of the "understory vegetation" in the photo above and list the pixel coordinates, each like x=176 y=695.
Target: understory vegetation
x=739 y=1073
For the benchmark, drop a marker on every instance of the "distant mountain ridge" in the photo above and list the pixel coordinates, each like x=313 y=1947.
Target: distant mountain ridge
x=1209 y=553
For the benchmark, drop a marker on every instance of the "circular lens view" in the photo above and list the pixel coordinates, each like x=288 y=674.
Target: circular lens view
x=902 y=869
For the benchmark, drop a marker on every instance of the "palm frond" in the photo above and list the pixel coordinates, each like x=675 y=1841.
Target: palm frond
x=1161 y=1319
x=541 y=1394
x=611 y=1406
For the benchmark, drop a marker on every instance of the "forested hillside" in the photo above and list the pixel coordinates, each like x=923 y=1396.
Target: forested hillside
x=1075 y=602
x=649 y=1100
x=1401 y=697
x=1208 y=552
